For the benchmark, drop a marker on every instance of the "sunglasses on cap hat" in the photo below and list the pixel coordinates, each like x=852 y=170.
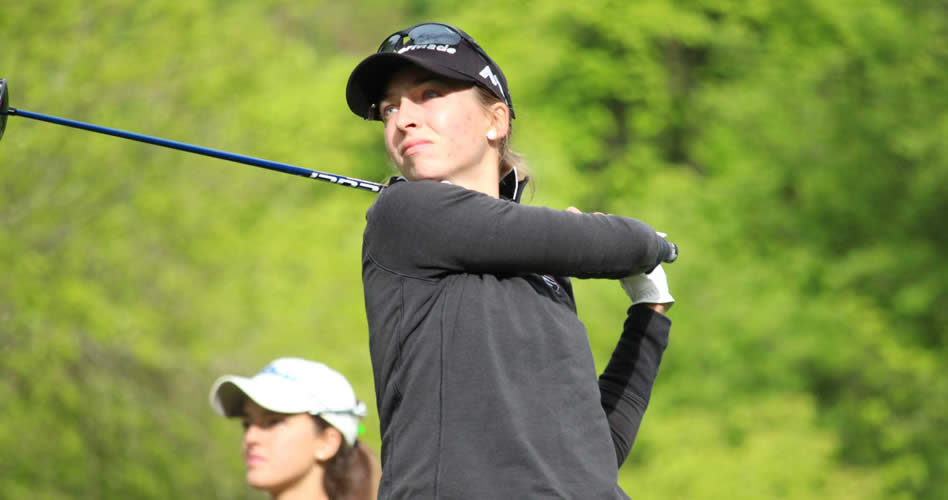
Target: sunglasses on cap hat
x=426 y=40
x=424 y=34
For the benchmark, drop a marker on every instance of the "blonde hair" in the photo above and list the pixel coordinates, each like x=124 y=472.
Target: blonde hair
x=509 y=159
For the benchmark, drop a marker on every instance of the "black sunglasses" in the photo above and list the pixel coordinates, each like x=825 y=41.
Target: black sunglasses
x=428 y=33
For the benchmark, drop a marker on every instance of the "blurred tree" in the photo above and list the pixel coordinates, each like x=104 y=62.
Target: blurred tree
x=794 y=150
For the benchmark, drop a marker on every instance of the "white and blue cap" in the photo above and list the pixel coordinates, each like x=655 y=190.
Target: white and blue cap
x=294 y=385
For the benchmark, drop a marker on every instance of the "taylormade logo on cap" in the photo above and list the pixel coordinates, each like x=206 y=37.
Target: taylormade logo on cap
x=440 y=48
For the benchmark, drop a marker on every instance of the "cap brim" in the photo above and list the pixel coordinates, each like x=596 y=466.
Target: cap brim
x=369 y=79
x=271 y=393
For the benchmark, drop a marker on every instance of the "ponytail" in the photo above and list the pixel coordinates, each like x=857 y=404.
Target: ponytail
x=509 y=159
x=352 y=473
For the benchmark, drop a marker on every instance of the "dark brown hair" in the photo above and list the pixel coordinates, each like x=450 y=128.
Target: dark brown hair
x=352 y=473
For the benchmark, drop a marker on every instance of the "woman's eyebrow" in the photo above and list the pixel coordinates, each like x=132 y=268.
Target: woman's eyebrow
x=420 y=80
x=251 y=412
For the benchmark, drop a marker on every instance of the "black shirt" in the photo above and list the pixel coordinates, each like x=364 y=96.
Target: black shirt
x=485 y=383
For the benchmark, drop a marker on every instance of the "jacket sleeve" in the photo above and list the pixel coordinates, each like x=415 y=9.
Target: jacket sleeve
x=429 y=228
x=626 y=383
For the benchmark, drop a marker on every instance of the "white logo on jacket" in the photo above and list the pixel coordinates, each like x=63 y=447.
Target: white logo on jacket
x=549 y=280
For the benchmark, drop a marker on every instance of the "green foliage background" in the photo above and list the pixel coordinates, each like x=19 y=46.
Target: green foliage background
x=795 y=150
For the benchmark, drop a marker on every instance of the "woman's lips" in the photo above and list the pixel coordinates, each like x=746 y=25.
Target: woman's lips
x=253 y=460
x=413 y=147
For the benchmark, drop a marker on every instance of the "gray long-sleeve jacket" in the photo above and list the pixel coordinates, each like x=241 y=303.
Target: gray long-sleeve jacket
x=485 y=382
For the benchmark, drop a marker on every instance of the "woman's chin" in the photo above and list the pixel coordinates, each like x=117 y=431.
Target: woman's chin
x=422 y=169
x=257 y=480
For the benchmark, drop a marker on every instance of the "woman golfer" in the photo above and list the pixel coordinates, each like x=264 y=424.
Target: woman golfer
x=301 y=422
x=485 y=382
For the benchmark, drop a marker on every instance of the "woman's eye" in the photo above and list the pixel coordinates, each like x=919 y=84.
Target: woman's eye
x=270 y=422
x=388 y=110
x=245 y=424
x=430 y=94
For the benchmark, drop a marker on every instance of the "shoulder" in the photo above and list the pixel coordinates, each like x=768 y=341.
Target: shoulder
x=407 y=193
x=413 y=199
x=400 y=199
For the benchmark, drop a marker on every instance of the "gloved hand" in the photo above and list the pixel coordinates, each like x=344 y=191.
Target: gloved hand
x=651 y=288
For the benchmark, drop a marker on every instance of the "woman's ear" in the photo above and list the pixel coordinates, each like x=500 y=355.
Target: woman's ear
x=328 y=444
x=499 y=116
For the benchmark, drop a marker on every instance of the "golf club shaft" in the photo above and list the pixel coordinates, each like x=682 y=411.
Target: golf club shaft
x=214 y=153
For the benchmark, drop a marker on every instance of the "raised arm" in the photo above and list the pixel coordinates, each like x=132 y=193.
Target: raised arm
x=626 y=383
x=437 y=227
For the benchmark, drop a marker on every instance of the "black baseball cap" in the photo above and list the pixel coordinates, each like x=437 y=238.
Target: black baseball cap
x=439 y=48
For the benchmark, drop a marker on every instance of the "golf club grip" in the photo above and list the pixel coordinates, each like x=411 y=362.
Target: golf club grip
x=214 y=153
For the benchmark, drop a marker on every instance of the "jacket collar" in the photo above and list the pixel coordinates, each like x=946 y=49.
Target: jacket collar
x=511 y=188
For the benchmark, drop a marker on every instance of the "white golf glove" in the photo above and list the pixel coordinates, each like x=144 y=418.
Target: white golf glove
x=651 y=288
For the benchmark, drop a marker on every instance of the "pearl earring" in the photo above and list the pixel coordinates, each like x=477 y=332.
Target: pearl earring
x=491 y=134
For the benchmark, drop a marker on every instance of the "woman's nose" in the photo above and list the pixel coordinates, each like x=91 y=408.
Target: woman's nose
x=409 y=114
x=252 y=434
